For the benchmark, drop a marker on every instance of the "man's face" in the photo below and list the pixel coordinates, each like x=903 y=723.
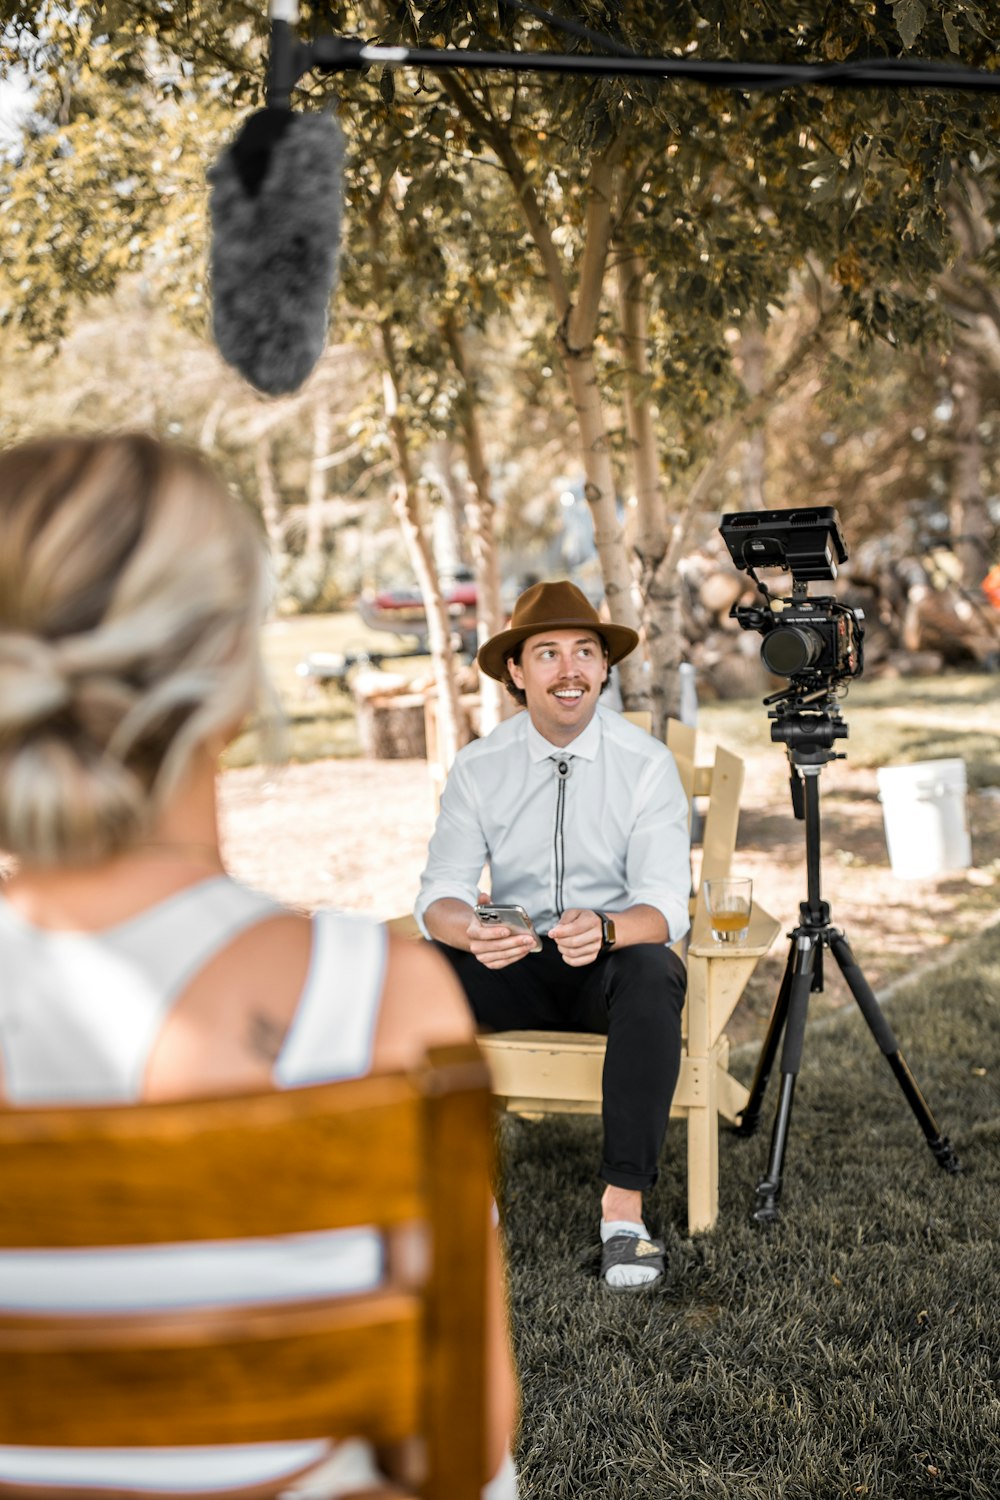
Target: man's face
x=561 y=673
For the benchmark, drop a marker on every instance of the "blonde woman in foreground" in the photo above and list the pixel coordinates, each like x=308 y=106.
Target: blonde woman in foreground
x=131 y=592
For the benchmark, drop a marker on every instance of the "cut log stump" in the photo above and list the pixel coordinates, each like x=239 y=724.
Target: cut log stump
x=390 y=720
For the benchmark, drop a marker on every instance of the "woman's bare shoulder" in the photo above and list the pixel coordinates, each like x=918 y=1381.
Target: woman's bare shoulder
x=423 y=1005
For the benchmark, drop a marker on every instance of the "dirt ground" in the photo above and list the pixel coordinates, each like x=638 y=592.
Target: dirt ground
x=353 y=834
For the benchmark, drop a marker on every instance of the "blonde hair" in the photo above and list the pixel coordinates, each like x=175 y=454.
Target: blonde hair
x=132 y=589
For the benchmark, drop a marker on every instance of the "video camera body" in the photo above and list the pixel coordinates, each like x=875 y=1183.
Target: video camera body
x=816 y=643
x=807 y=638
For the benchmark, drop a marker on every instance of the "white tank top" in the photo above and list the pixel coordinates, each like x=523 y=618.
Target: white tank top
x=80 y=1013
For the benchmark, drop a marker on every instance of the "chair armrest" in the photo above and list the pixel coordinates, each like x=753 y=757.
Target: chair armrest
x=404 y=926
x=761 y=934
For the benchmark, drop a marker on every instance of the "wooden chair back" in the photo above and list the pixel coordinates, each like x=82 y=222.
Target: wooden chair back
x=405 y=1360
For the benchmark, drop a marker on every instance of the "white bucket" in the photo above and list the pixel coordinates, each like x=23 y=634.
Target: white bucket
x=923 y=807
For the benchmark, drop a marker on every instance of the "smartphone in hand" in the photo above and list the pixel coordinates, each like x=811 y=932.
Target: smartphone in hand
x=513 y=917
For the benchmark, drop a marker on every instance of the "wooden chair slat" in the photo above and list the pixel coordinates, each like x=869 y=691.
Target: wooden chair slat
x=723 y=816
x=240 y=1379
x=407 y=1360
x=137 y=1172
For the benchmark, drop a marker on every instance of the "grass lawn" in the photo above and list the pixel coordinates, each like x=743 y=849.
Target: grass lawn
x=906 y=719
x=851 y=1350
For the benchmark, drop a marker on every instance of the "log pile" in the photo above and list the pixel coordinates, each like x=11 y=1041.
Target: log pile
x=918 y=620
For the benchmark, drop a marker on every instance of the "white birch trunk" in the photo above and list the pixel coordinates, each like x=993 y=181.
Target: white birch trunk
x=577 y=325
x=267 y=494
x=659 y=594
x=480 y=514
x=453 y=729
x=577 y=333
x=316 y=488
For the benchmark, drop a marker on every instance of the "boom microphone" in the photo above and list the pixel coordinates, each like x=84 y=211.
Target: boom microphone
x=276 y=213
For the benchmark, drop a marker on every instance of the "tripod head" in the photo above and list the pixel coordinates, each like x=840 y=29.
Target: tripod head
x=807 y=723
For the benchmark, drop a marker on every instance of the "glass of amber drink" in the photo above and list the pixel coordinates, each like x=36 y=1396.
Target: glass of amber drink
x=728 y=901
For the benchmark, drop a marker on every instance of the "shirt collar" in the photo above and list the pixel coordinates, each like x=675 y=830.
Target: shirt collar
x=586 y=744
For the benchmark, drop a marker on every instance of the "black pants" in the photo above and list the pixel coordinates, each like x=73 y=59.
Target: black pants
x=633 y=996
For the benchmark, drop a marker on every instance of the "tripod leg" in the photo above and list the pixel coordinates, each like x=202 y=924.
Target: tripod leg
x=750 y=1116
x=803 y=958
x=862 y=991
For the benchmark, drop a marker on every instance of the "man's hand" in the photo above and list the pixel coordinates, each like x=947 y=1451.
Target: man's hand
x=578 y=936
x=496 y=947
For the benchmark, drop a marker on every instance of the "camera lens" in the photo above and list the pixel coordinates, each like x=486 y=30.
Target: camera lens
x=790 y=649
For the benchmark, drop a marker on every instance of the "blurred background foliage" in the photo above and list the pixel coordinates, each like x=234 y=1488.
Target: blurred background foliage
x=816 y=269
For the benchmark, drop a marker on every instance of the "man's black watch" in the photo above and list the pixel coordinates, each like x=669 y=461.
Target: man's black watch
x=607 y=931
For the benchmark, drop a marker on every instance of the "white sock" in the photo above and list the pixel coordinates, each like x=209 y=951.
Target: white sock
x=503 y=1485
x=626 y=1275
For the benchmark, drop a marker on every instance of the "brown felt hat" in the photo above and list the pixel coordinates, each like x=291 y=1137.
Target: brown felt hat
x=552 y=606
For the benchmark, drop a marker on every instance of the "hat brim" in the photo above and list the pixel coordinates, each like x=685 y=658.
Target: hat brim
x=492 y=657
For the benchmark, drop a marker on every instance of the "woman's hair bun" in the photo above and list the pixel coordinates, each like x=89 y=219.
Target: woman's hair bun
x=132 y=589
x=32 y=685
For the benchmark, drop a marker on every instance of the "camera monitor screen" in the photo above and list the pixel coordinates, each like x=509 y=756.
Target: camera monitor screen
x=807 y=542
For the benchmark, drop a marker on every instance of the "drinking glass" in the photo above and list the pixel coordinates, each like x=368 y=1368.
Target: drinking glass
x=728 y=901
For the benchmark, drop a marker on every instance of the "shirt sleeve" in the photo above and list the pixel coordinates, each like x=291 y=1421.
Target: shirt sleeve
x=658 y=863
x=458 y=849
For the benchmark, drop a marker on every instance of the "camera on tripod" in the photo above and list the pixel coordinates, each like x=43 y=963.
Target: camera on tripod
x=816 y=643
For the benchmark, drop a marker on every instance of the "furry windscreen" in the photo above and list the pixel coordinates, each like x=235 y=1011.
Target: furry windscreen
x=276 y=206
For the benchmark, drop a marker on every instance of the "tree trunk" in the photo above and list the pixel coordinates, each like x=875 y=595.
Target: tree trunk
x=450 y=552
x=600 y=492
x=755 y=445
x=453 y=728
x=453 y=725
x=577 y=329
x=967 y=509
x=316 y=486
x=309 y=573
x=210 y=424
x=480 y=514
x=660 y=606
x=267 y=493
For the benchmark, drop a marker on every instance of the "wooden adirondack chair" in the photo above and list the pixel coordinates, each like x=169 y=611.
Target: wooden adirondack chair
x=550 y=1072
x=559 y=1072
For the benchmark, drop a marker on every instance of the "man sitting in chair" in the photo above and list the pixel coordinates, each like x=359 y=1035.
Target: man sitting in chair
x=583 y=822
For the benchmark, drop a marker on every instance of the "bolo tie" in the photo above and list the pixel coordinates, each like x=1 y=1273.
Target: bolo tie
x=564 y=769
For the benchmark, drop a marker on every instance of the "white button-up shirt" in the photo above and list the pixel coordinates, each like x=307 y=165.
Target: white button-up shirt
x=624 y=822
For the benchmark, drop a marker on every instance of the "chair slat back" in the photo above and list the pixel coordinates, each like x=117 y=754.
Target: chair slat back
x=681 y=740
x=286 y=1162
x=247 y=1375
x=404 y=1360
x=723 y=816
